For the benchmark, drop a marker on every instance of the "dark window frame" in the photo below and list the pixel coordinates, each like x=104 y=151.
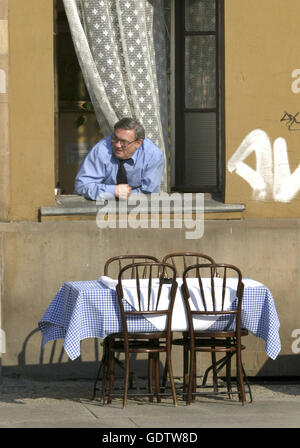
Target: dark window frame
x=180 y=109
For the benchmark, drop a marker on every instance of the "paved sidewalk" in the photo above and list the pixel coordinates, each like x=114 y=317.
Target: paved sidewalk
x=68 y=404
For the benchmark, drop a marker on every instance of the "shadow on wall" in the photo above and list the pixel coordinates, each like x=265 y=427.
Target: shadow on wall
x=287 y=380
x=52 y=363
x=285 y=366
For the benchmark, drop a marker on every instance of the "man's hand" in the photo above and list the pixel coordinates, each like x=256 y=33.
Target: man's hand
x=122 y=191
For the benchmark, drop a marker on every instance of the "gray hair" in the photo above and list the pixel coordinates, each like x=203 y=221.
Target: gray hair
x=129 y=123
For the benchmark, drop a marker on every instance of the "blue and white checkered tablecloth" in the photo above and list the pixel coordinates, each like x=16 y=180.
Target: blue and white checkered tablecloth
x=87 y=309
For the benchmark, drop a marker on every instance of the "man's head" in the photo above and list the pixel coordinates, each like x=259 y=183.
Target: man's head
x=127 y=137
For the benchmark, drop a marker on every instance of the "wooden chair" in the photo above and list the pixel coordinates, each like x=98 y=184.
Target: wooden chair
x=212 y=302
x=113 y=265
x=180 y=261
x=112 y=268
x=148 y=304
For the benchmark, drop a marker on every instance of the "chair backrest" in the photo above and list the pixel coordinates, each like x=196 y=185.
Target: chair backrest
x=209 y=294
x=181 y=260
x=149 y=296
x=113 y=265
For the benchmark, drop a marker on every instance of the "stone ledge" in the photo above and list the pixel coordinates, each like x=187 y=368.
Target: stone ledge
x=77 y=205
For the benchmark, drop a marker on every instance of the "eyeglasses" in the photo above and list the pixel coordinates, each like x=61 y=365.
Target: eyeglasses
x=123 y=143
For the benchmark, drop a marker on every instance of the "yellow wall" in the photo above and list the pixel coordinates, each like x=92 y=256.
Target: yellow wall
x=261 y=52
x=31 y=107
x=4 y=108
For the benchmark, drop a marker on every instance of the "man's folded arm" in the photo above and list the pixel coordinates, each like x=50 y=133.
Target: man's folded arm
x=93 y=190
x=90 y=177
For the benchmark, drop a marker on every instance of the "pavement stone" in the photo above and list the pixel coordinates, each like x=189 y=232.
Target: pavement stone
x=67 y=404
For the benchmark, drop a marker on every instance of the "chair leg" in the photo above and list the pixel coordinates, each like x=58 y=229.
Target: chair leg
x=215 y=376
x=126 y=380
x=228 y=369
x=164 y=377
x=105 y=373
x=205 y=376
x=157 y=378
x=102 y=367
x=248 y=385
x=185 y=370
x=150 y=376
x=228 y=374
x=240 y=378
x=191 y=377
x=194 y=376
x=171 y=377
x=111 y=377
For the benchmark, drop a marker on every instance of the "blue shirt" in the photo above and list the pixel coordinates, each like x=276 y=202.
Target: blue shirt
x=98 y=172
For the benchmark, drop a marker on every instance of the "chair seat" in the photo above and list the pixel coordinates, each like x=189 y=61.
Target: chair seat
x=153 y=335
x=219 y=344
x=138 y=346
x=147 y=342
x=227 y=345
x=222 y=334
x=208 y=334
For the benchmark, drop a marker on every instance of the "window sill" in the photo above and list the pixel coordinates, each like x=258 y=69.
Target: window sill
x=77 y=207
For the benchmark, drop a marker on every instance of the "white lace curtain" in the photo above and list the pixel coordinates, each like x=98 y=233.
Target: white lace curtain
x=120 y=45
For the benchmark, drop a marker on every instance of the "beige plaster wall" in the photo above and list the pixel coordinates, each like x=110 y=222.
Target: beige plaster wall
x=4 y=145
x=261 y=52
x=4 y=126
x=31 y=108
x=39 y=258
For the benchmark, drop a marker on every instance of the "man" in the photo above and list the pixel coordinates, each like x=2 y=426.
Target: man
x=122 y=164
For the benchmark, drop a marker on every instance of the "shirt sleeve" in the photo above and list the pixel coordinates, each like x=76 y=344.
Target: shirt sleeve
x=151 y=174
x=90 y=178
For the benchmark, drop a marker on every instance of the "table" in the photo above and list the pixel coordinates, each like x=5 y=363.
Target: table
x=89 y=309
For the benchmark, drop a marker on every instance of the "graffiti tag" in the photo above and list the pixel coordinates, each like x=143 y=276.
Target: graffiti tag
x=291 y=121
x=295 y=87
x=272 y=177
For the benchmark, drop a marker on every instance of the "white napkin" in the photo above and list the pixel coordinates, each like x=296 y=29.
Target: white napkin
x=107 y=281
x=248 y=282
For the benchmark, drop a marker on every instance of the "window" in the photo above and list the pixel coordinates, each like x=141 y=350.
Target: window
x=198 y=100
x=197 y=127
